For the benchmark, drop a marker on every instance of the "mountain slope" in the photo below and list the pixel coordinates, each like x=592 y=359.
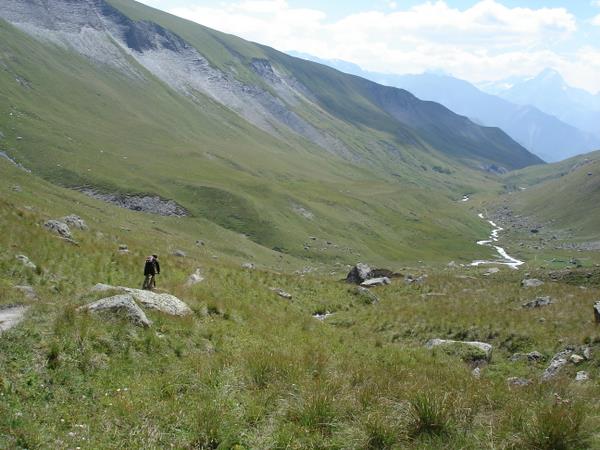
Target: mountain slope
x=541 y=133
x=549 y=92
x=238 y=134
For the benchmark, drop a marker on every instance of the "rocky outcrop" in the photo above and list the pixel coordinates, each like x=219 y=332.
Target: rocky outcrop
x=120 y=305
x=151 y=204
x=58 y=227
x=482 y=349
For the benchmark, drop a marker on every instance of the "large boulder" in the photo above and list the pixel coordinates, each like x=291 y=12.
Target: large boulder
x=120 y=304
x=358 y=274
x=471 y=351
x=58 y=227
x=166 y=303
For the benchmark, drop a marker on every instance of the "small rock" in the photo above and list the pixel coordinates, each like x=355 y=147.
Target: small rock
x=17 y=188
x=26 y=262
x=75 y=221
x=27 y=291
x=452 y=264
x=200 y=243
x=582 y=375
x=558 y=362
x=376 y=282
x=491 y=271
x=597 y=311
x=195 y=278
x=538 y=302
x=322 y=316
x=516 y=381
x=120 y=304
x=281 y=293
x=123 y=248
x=248 y=266
x=576 y=359
x=587 y=353
x=358 y=273
x=58 y=227
x=531 y=282
x=179 y=253
x=476 y=372
x=531 y=356
x=482 y=346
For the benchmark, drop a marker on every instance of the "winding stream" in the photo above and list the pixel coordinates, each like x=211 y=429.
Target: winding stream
x=504 y=258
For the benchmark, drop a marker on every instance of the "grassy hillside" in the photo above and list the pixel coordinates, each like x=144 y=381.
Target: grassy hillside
x=250 y=370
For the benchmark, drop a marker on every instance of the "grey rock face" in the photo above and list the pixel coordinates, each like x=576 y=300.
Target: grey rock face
x=120 y=304
x=26 y=262
x=281 y=293
x=58 y=227
x=75 y=222
x=376 y=282
x=195 y=278
x=484 y=347
x=358 y=273
x=531 y=282
x=538 y=302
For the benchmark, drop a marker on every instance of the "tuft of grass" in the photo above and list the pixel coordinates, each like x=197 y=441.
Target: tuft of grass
x=431 y=414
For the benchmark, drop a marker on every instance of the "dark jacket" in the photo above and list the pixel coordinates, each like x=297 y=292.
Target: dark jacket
x=152 y=267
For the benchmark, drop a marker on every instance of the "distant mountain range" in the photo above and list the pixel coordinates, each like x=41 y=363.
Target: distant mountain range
x=541 y=132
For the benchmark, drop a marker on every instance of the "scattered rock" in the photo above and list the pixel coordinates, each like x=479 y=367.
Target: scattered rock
x=123 y=248
x=558 y=362
x=27 y=291
x=120 y=304
x=179 y=253
x=358 y=274
x=75 y=222
x=26 y=262
x=482 y=349
x=248 y=266
x=17 y=188
x=58 y=227
x=366 y=295
x=531 y=282
x=410 y=279
x=582 y=375
x=281 y=293
x=195 y=278
x=200 y=243
x=587 y=353
x=376 y=282
x=476 y=373
x=452 y=265
x=518 y=382
x=322 y=316
x=491 y=271
x=576 y=359
x=538 y=302
x=11 y=316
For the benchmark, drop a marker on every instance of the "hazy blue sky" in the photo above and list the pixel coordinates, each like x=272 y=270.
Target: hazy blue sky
x=476 y=40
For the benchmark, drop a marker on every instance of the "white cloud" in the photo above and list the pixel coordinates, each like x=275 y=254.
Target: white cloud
x=596 y=20
x=487 y=41
x=595 y=3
